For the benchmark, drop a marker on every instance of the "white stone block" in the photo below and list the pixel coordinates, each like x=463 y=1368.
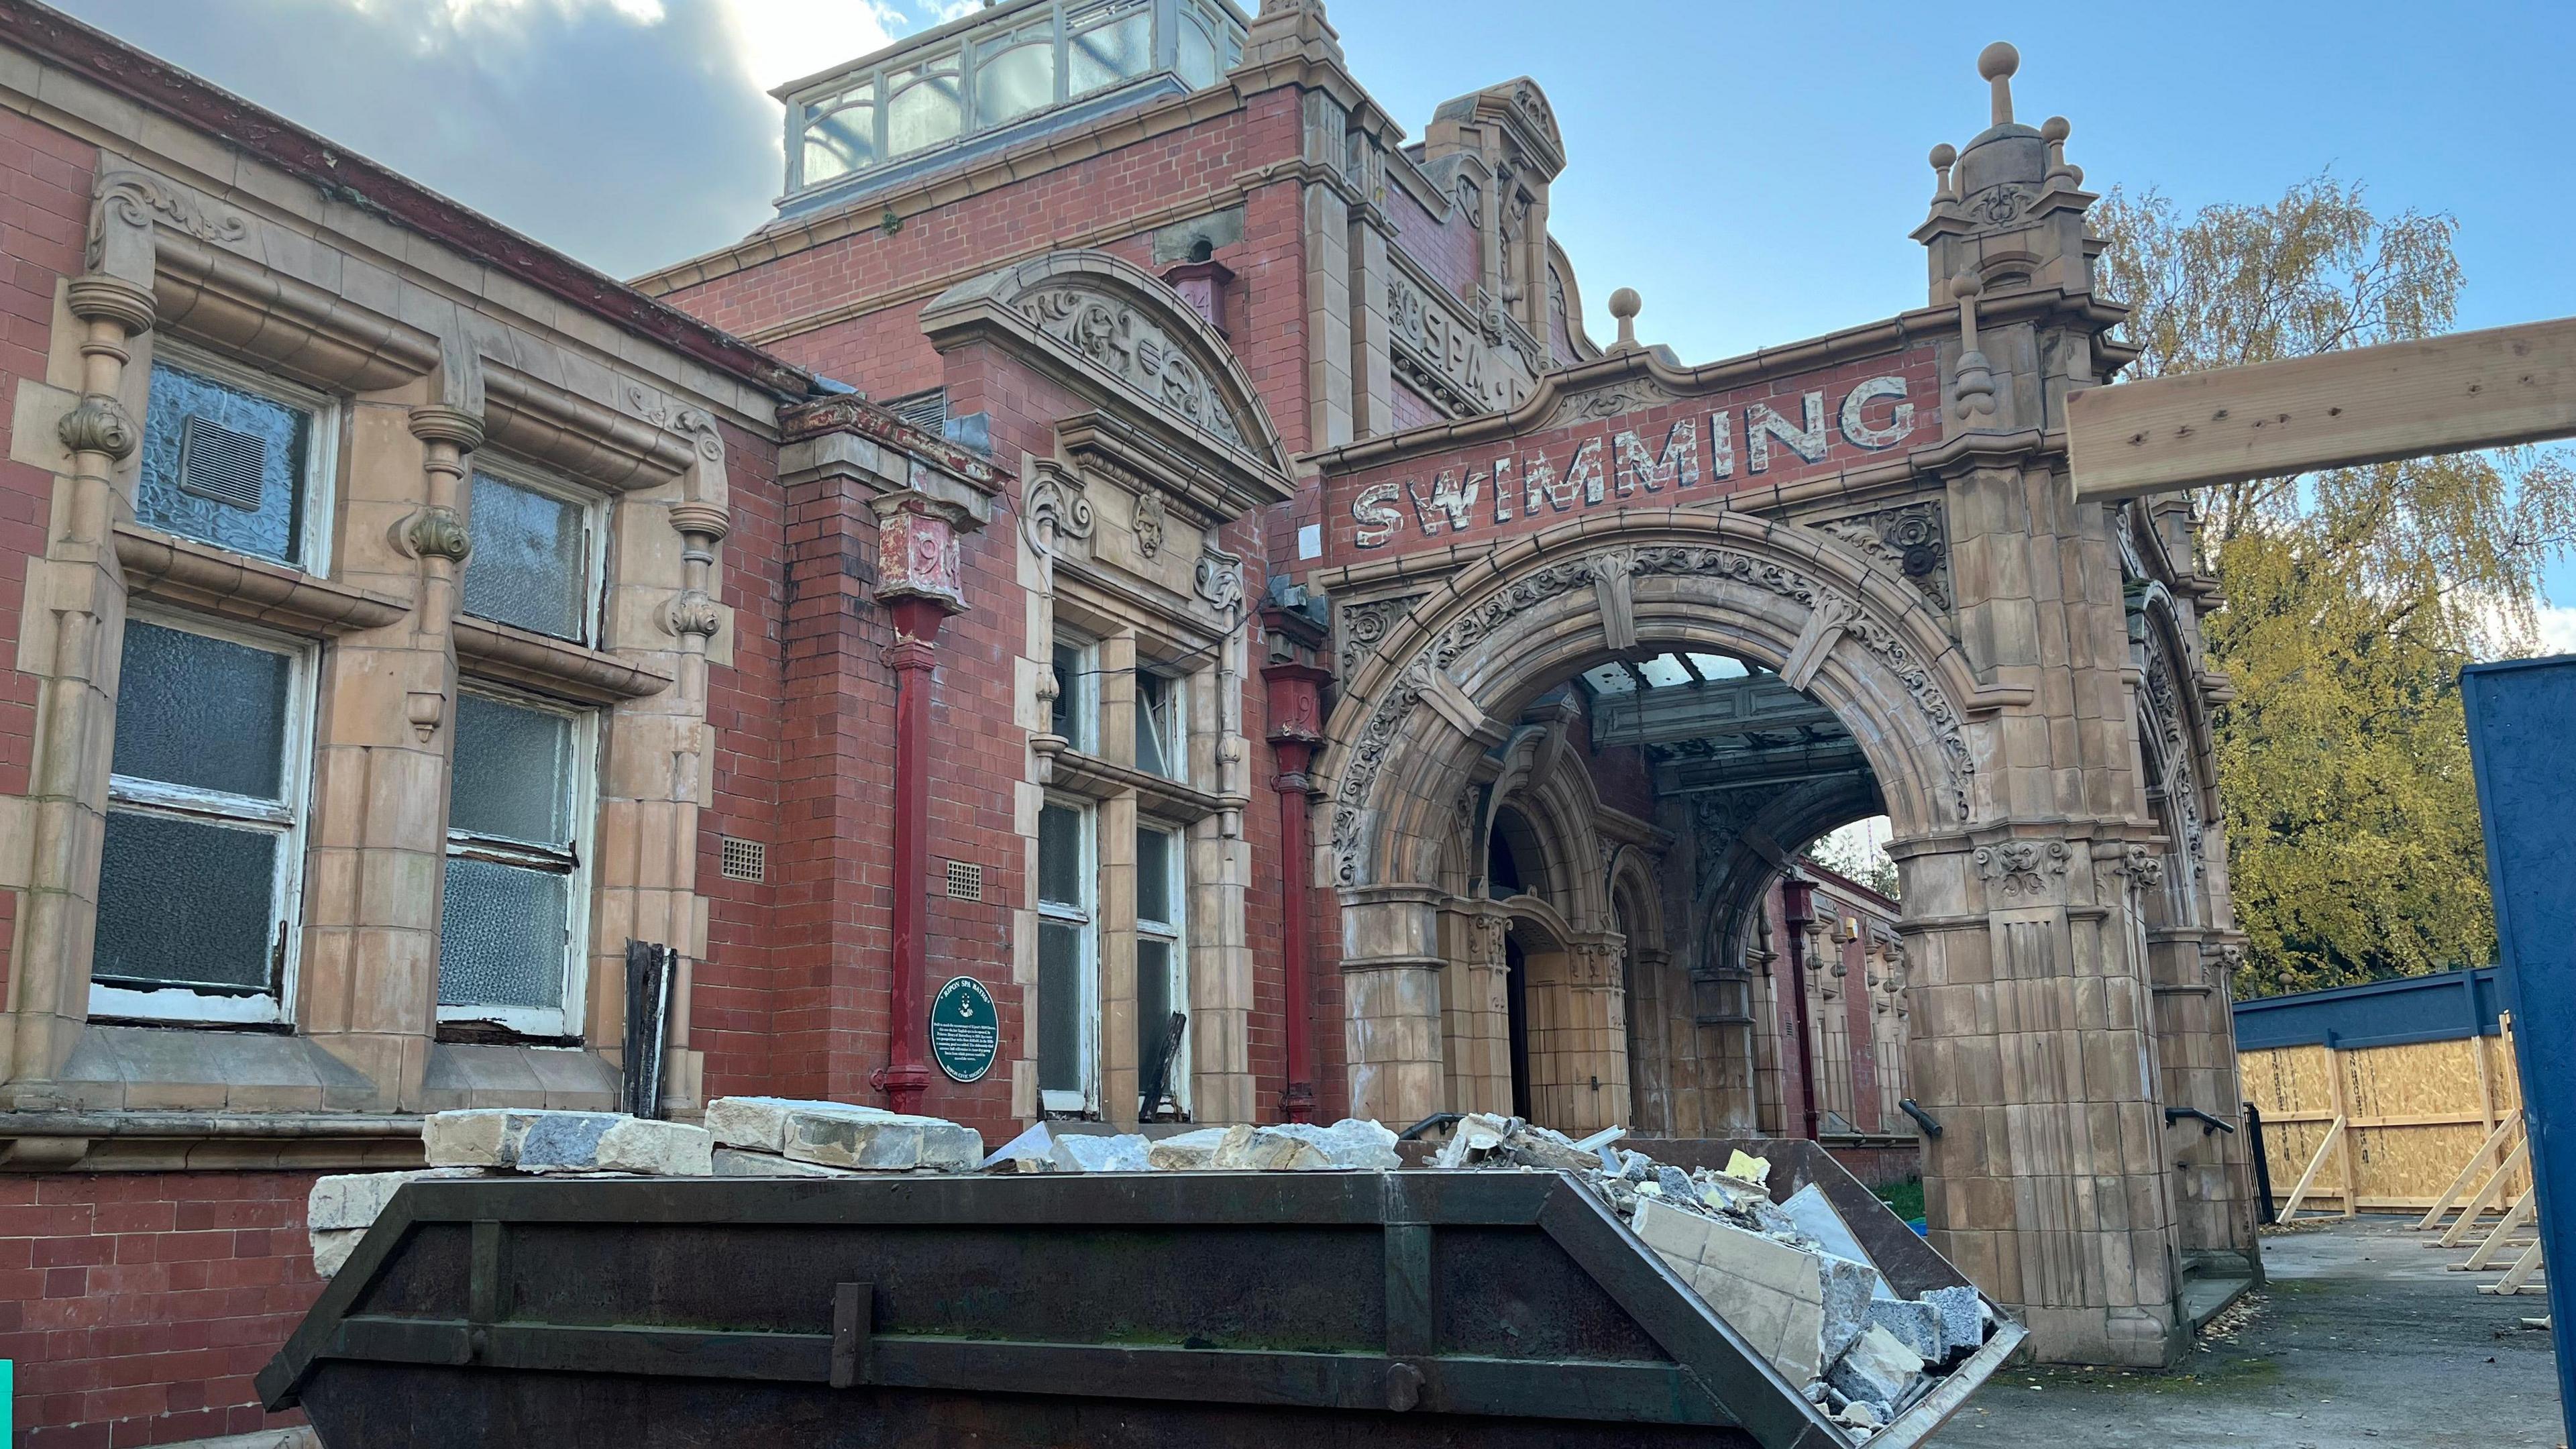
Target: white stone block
x=1085 y=1152
x=550 y=1142
x=734 y=1162
x=355 y=1199
x=838 y=1135
x=1350 y=1143
x=1797 y=1308
x=1262 y=1149
x=332 y=1247
x=1186 y=1151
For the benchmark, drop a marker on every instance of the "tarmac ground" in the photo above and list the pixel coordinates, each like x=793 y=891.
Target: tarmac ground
x=2361 y=1336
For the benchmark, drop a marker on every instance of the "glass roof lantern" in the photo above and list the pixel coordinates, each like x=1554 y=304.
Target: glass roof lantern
x=1002 y=74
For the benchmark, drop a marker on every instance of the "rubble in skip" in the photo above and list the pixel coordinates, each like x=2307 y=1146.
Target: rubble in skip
x=1790 y=1278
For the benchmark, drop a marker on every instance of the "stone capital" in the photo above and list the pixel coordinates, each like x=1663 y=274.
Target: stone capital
x=99 y=297
x=438 y=423
x=701 y=521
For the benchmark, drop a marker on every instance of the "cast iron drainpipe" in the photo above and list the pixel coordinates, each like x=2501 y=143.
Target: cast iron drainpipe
x=905 y=1078
x=1797 y=909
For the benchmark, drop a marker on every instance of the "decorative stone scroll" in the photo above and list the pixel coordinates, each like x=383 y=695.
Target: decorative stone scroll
x=1364 y=625
x=2022 y=867
x=1909 y=539
x=1137 y=351
x=131 y=201
x=1849 y=619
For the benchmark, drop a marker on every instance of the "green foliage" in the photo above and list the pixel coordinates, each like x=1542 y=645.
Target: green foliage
x=2352 y=597
x=1905 y=1199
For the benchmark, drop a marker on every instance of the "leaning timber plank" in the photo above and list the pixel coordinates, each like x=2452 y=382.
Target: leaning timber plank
x=2360 y=405
x=2502 y=1237
x=2478 y=1205
x=2460 y=1184
x=2517 y=1279
x=2316 y=1164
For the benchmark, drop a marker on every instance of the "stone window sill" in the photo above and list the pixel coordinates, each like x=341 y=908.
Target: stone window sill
x=214 y=581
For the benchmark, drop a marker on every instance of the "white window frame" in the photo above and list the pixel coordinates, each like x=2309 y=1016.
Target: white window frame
x=1082 y=716
x=183 y=1004
x=321 y=459
x=594 y=508
x=1085 y=916
x=1176 y=934
x=1175 y=744
x=564 y=1022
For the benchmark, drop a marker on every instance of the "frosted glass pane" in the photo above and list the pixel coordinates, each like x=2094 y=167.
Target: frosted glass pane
x=1196 y=54
x=1153 y=1003
x=262 y=453
x=513 y=772
x=1155 y=850
x=1015 y=82
x=502 y=934
x=925 y=108
x=181 y=902
x=1060 y=1007
x=840 y=136
x=196 y=710
x=1106 y=53
x=1060 y=856
x=529 y=566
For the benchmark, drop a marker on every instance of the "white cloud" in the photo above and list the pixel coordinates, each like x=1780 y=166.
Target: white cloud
x=781 y=40
x=2556 y=629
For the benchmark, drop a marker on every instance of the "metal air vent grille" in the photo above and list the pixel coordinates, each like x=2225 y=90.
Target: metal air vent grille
x=221 y=465
x=965 y=881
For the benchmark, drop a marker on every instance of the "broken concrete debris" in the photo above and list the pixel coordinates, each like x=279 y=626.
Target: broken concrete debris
x=841 y=1135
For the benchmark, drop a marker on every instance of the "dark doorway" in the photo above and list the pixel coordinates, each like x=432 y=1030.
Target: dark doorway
x=1516 y=1013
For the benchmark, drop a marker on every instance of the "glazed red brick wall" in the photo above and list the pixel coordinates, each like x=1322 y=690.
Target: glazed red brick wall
x=1412 y=412
x=1070 y=205
x=138 y=1306
x=1450 y=253
x=732 y=1006
x=831 y=863
x=44 y=217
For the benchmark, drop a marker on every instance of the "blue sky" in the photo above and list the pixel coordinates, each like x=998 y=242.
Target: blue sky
x=1751 y=170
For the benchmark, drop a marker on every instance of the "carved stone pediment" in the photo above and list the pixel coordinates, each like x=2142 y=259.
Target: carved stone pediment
x=1152 y=372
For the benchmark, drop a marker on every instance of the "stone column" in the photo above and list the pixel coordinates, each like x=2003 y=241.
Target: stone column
x=76 y=698
x=694 y=618
x=1476 y=1027
x=1391 y=989
x=917 y=579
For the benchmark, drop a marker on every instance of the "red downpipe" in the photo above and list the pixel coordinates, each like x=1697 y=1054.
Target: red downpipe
x=1296 y=701
x=1797 y=910
x=905 y=1077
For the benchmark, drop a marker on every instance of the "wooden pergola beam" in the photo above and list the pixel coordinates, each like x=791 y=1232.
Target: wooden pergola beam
x=2443 y=394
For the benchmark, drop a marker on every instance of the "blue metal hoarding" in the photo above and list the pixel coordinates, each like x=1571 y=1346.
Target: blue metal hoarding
x=2522 y=742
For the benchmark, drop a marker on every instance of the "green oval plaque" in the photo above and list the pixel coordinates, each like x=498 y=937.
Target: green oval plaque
x=965 y=1029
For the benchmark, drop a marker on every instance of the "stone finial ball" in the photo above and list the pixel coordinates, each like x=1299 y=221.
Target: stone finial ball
x=1965 y=285
x=1625 y=303
x=1943 y=156
x=2055 y=128
x=1998 y=60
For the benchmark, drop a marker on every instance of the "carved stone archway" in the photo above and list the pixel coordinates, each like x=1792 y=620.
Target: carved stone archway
x=1544 y=607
